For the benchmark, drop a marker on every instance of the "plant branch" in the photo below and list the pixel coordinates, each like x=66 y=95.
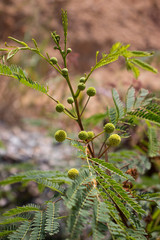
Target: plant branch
x=85 y=106
x=103 y=152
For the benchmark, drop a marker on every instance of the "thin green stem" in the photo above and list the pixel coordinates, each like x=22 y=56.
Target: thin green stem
x=52 y=98
x=101 y=147
x=92 y=147
x=64 y=58
x=41 y=55
x=73 y=109
x=97 y=135
x=58 y=66
x=70 y=86
x=71 y=115
x=85 y=106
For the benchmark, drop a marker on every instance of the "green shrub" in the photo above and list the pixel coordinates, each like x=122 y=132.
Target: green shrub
x=101 y=197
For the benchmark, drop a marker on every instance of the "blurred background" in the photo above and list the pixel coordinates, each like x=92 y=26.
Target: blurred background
x=94 y=25
x=27 y=118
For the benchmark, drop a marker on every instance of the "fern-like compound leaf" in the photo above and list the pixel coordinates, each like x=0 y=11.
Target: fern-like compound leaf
x=19 y=210
x=5 y=233
x=118 y=103
x=74 y=192
x=21 y=231
x=133 y=54
x=98 y=222
x=145 y=114
x=116 y=51
x=37 y=227
x=130 y=99
x=50 y=184
x=154 y=145
x=107 y=182
x=54 y=176
x=108 y=215
x=17 y=73
x=12 y=220
x=110 y=167
x=113 y=116
x=52 y=225
x=144 y=65
x=79 y=214
x=140 y=99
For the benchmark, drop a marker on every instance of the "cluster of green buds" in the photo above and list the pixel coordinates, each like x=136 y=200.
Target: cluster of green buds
x=91 y=91
x=114 y=139
x=83 y=135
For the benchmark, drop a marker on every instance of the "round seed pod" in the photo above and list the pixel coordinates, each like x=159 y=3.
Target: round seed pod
x=83 y=135
x=54 y=60
x=81 y=86
x=73 y=173
x=114 y=140
x=60 y=107
x=82 y=79
x=91 y=91
x=70 y=100
x=109 y=128
x=90 y=134
x=64 y=71
x=69 y=50
x=60 y=135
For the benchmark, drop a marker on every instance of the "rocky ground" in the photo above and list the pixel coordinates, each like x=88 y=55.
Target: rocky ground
x=21 y=145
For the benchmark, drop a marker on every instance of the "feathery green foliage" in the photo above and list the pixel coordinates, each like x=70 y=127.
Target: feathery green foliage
x=52 y=225
x=154 y=146
x=16 y=72
x=21 y=231
x=18 y=210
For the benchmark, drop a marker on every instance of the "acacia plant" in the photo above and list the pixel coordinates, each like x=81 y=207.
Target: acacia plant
x=100 y=198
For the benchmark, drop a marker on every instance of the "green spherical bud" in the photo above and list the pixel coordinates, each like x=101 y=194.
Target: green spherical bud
x=73 y=173
x=64 y=71
x=90 y=134
x=60 y=107
x=70 y=100
x=60 y=135
x=54 y=60
x=109 y=128
x=82 y=79
x=55 y=47
x=83 y=135
x=91 y=91
x=114 y=140
x=81 y=86
x=69 y=50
